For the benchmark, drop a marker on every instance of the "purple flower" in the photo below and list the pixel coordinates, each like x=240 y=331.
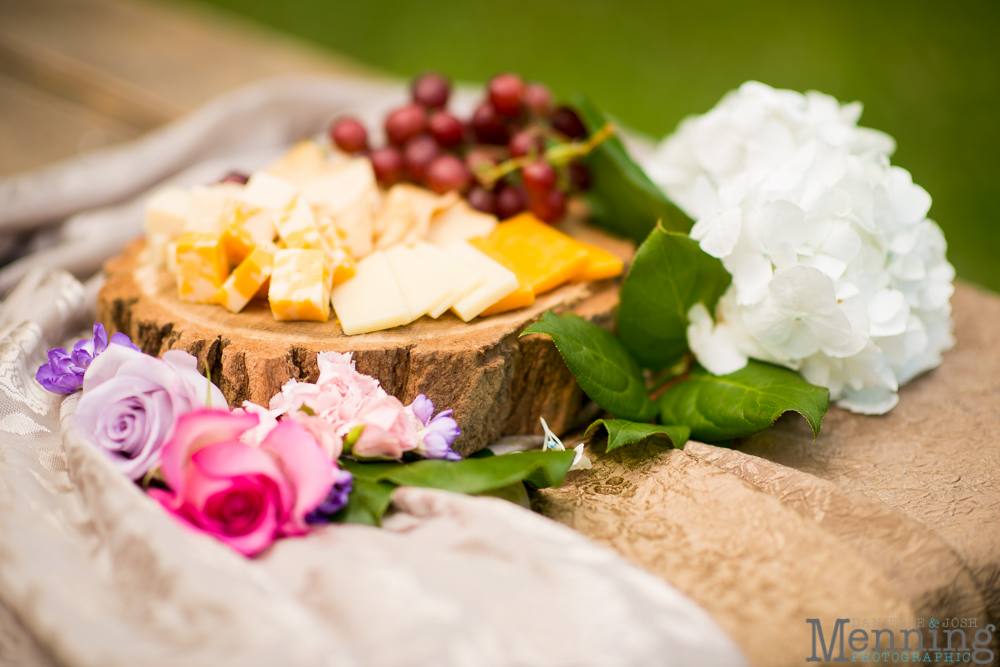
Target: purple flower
x=435 y=435
x=63 y=374
x=336 y=499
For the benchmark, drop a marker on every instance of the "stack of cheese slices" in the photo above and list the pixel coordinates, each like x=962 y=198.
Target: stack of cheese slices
x=314 y=230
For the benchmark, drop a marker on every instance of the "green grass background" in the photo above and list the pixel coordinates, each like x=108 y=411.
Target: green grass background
x=927 y=72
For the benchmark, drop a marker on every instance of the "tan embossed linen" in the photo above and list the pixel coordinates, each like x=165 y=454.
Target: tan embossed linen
x=895 y=516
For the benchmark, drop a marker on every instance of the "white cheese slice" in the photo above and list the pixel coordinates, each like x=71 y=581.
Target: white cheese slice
x=423 y=286
x=371 y=300
x=499 y=282
x=463 y=278
x=211 y=208
x=166 y=211
x=459 y=222
x=266 y=191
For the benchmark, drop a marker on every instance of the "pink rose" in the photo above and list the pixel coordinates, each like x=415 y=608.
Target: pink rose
x=242 y=495
x=131 y=400
x=388 y=429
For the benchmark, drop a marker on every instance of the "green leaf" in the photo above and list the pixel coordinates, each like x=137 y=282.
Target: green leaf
x=622 y=198
x=367 y=503
x=669 y=274
x=741 y=403
x=473 y=476
x=515 y=493
x=621 y=432
x=606 y=371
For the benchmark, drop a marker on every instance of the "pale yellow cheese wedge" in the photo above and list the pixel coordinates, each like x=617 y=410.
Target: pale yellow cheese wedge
x=371 y=300
x=201 y=267
x=166 y=211
x=424 y=288
x=303 y=162
x=268 y=192
x=499 y=282
x=463 y=278
x=300 y=286
x=459 y=222
x=337 y=189
x=211 y=208
x=246 y=279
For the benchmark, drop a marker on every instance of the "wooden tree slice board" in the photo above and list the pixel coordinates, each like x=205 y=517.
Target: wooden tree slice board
x=496 y=383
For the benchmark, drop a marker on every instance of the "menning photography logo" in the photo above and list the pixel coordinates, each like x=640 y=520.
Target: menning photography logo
x=950 y=640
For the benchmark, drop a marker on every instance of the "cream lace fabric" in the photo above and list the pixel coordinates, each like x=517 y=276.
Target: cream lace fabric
x=94 y=573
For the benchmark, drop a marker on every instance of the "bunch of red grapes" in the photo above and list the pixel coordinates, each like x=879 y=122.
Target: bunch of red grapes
x=429 y=146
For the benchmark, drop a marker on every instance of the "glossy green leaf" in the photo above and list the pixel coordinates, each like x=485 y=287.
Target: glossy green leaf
x=622 y=198
x=606 y=371
x=472 y=475
x=741 y=403
x=367 y=503
x=515 y=493
x=669 y=274
x=621 y=432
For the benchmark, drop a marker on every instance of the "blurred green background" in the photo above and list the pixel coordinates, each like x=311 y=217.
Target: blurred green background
x=927 y=72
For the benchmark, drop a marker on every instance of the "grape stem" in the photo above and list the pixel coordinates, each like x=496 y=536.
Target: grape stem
x=556 y=155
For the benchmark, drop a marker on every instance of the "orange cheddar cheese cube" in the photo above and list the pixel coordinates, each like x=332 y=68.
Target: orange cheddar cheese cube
x=601 y=264
x=542 y=256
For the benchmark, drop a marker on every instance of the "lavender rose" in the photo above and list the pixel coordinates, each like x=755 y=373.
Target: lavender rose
x=131 y=401
x=63 y=374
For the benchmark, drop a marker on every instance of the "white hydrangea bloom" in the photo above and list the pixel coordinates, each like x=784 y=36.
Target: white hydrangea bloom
x=837 y=271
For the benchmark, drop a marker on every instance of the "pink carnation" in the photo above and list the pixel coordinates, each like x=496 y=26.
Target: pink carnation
x=389 y=429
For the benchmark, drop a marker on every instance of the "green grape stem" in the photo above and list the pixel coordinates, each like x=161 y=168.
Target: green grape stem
x=557 y=155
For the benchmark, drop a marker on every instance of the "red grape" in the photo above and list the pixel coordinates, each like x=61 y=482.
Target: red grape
x=567 y=122
x=349 y=135
x=420 y=151
x=539 y=177
x=526 y=142
x=431 y=90
x=507 y=94
x=538 y=98
x=405 y=123
x=388 y=164
x=447 y=129
x=549 y=206
x=235 y=177
x=510 y=201
x=482 y=199
x=489 y=126
x=447 y=173
x=579 y=176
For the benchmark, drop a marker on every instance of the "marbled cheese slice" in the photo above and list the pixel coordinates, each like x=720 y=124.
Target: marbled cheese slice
x=300 y=286
x=201 y=267
x=340 y=264
x=463 y=278
x=297 y=227
x=247 y=279
x=166 y=211
x=423 y=286
x=268 y=192
x=498 y=283
x=246 y=233
x=371 y=300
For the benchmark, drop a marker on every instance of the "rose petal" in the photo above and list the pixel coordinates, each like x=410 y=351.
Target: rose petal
x=307 y=468
x=193 y=431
